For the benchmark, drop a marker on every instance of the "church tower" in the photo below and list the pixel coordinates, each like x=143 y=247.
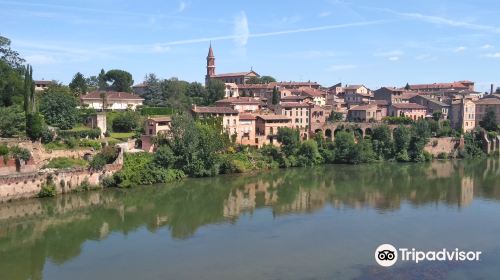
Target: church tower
x=210 y=64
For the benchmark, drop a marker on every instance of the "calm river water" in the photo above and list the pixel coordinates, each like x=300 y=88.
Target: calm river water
x=310 y=223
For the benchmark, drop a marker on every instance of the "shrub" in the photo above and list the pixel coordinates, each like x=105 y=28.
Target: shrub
x=125 y=122
x=20 y=153
x=47 y=135
x=97 y=163
x=149 y=111
x=95 y=144
x=47 y=190
x=442 y=155
x=91 y=133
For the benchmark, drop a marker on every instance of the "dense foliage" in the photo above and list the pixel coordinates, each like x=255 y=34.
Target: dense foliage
x=58 y=107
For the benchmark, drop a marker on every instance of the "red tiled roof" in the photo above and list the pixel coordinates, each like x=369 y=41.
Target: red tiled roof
x=111 y=95
x=284 y=84
x=239 y=100
x=408 y=106
x=236 y=74
x=363 y=107
x=43 y=82
x=488 y=101
x=459 y=84
x=214 y=110
x=247 y=117
x=354 y=86
x=295 y=97
x=381 y=102
x=273 y=117
x=294 y=105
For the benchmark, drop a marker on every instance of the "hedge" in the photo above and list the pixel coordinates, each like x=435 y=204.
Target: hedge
x=94 y=133
x=151 y=111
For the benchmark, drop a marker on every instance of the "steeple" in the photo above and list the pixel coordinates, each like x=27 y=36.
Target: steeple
x=210 y=51
x=210 y=64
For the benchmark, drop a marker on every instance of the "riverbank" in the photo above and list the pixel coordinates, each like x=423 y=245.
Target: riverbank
x=276 y=217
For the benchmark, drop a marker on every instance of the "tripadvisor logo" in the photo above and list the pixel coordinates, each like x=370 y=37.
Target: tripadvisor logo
x=387 y=255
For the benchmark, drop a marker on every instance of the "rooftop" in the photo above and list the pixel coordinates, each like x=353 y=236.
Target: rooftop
x=111 y=95
x=274 y=117
x=239 y=100
x=488 y=101
x=294 y=105
x=214 y=110
x=160 y=118
x=364 y=107
x=408 y=106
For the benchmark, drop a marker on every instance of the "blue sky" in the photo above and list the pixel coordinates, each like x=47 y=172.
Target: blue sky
x=376 y=43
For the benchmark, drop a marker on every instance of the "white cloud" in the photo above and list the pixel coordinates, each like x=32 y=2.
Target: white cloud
x=486 y=47
x=160 y=49
x=493 y=55
x=40 y=59
x=324 y=14
x=182 y=7
x=394 y=58
x=460 y=49
x=341 y=67
x=394 y=55
x=241 y=31
x=446 y=21
x=425 y=57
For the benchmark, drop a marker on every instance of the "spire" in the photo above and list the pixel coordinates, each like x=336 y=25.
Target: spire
x=210 y=50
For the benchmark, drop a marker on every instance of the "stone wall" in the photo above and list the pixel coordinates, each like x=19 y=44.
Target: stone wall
x=28 y=185
x=448 y=145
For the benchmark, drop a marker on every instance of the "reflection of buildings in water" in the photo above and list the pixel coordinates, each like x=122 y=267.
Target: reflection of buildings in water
x=466 y=191
x=245 y=198
x=249 y=197
x=492 y=167
x=307 y=200
x=440 y=169
x=371 y=199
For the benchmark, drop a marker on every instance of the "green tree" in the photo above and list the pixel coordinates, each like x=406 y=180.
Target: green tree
x=308 y=153
x=12 y=122
x=289 y=139
x=10 y=56
x=79 y=84
x=343 y=146
x=382 y=141
x=276 y=96
x=215 y=91
x=335 y=117
x=125 y=122
x=58 y=107
x=34 y=125
x=420 y=133
x=102 y=83
x=362 y=152
x=11 y=85
x=489 y=121
x=267 y=79
x=120 y=80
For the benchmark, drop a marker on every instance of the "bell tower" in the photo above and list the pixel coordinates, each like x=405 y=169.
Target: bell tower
x=210 y=64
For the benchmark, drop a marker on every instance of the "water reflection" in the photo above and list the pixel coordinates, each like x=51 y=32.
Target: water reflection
x=34 y=231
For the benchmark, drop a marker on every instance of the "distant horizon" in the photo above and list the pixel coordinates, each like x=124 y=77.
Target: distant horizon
x=330 y=41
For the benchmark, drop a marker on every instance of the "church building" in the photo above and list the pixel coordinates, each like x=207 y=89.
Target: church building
x=239 y=78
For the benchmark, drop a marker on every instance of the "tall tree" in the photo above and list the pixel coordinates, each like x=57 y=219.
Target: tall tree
x=489 y=121
x=289 y=139
x=102 y=81
x=10 y=56
x=215 y=91
x=276 y=96
x=120 y=80
x=58 y=106
x=79 y=84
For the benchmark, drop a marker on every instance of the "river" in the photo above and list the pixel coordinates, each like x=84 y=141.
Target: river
x=306 y=223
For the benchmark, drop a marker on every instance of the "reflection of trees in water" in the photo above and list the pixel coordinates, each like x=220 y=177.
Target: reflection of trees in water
x=57 y=228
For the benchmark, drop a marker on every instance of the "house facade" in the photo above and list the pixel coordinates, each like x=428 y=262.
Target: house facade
x=111 y=100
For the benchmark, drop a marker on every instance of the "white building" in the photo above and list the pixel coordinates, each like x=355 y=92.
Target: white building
x=112 y=100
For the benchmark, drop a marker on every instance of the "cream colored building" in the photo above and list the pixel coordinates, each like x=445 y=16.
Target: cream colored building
x=229 y=117
x=463 y=114
x=112 y=100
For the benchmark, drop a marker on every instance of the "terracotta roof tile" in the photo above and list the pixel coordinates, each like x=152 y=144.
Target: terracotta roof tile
x=111 y=95
x=214 y=110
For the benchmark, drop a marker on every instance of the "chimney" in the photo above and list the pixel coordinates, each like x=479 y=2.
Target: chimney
x=491 y=90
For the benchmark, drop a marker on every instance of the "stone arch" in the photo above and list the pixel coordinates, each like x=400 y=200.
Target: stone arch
x=358 y=133
x=368 y=132
x=328 y=134
x=319 y=131
x=304 y=136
